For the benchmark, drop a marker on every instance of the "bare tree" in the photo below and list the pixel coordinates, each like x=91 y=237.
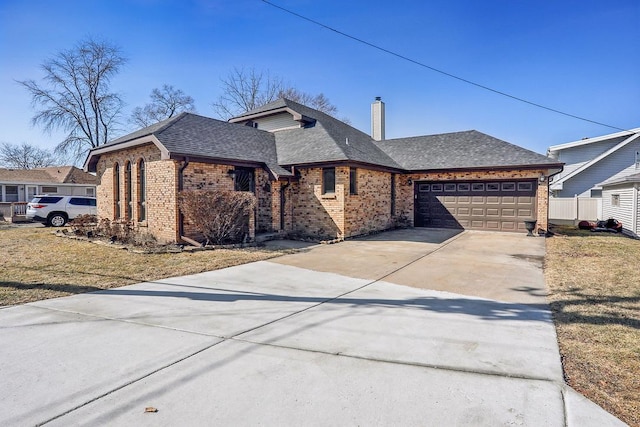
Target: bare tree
x=165 y=103
x=26 y=156
x=75 y=95
x=244 y=90
x=319 y=102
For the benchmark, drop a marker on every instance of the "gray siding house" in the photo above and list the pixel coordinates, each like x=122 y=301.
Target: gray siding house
x=620 y=200
x=591 y=161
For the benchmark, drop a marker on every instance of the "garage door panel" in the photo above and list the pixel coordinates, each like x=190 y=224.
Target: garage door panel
x=485 y=205
x=508 y=226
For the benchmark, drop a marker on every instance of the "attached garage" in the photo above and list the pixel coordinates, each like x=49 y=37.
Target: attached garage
x=478 y=205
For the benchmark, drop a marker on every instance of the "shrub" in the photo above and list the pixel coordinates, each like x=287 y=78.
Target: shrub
x=84 y=225
x=117 y=230
x=220 y=216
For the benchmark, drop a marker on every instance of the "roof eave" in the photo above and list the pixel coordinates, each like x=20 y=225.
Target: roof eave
x=296 y=116
x=94 y=155
x=551 y=167
x=586 y=141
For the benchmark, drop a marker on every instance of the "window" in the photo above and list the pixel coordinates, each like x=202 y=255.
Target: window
x=393 y=194
x=424 y=188
x=436 y=187
x=615 y=200
x=89 y=192
x=493 y=186
x=116 y=191
x=48 y=200
x=328 y=180
x=49 y=190
x=463 y=187
x=525 y=186
x=82 y=201
x=477 y=187
x=142 y=191
x=508 y=186
x=127 y=190
x=353 y=181
x=243 y=179
x=450 y=187
x=11 y=193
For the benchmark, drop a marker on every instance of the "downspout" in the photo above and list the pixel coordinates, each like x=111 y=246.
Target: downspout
x=180 y=188
x=549 y=191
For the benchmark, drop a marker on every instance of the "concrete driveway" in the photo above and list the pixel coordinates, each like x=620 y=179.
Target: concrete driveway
x=411 y=327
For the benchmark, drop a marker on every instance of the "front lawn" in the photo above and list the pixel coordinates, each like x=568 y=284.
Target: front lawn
x=35 y=264
x=594 y=282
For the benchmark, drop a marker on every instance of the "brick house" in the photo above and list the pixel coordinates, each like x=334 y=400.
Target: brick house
x=314 y=175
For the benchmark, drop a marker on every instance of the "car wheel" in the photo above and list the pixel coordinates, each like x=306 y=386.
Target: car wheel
x=57 y=220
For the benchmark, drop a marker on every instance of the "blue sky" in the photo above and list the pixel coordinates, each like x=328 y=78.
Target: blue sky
x=578 y=56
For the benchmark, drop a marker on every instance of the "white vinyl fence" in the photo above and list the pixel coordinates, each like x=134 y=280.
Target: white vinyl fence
x=575 y=209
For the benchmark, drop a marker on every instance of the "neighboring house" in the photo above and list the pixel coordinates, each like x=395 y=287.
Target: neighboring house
x=591 y=161
x=314 y=175
x=620 y=201
x=20 y=185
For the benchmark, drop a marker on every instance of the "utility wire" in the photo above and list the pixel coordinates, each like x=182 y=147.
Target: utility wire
x=413 y=61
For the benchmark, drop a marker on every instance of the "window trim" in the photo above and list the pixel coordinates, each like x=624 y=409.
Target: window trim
x=353 y=181
x=128 y=190
x=51 y=189
x=142 y=191
x=325 y=190
x=615 y=200
x=116 y=191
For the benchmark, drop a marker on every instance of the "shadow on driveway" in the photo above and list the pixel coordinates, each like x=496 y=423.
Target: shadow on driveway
x=484 y=309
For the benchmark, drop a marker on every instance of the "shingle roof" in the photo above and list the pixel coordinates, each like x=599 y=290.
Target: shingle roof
x=621 y=180
x=49 y=175
x=189 y=134
x=459 y=150
x=326 y=139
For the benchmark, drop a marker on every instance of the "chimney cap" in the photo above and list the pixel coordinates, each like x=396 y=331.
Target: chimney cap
x=378 y=98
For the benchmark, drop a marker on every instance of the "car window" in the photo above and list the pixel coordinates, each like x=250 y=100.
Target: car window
x=46 y=200
x=80 y=201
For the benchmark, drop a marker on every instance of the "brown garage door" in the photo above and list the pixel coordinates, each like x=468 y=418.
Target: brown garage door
x=479 y=205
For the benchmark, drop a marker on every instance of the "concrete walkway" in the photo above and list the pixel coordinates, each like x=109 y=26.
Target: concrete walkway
x=412 y=327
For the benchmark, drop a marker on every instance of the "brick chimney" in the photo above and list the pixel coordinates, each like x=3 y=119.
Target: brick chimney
x=377 y=119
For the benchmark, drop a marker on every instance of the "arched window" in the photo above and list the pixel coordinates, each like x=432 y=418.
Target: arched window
x=127 y=190
x=142 y=191
x=116 y=191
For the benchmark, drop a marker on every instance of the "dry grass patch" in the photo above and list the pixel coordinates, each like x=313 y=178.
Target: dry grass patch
x=594 y=283
x=35 y=264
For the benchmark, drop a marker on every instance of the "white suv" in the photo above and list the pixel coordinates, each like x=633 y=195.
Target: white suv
x=57 y=210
